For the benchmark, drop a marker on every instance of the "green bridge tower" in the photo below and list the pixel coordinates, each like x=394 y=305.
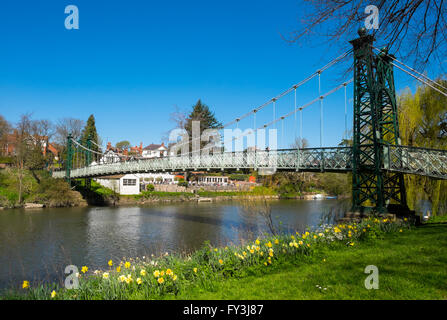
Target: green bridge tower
x=375 y=126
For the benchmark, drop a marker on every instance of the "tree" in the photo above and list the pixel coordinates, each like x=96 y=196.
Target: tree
x=422 y=123
x=89 y=131
x=201 y=112
x=123 y=145
x=5 y=130
x=300 y=143
x=416 y=28
x=67 y=126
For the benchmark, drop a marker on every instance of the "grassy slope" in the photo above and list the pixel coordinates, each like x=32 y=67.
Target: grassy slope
x=412 y=265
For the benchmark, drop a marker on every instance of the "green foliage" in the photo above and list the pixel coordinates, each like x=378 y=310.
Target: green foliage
x=204 y=269
x=90 y=131
x=423 y=123
x=239 y=177
x=182 y=183
x=38 y=187
x=123 y=145
x=150 y=187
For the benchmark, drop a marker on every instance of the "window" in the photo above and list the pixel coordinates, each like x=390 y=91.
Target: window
x=129 y=182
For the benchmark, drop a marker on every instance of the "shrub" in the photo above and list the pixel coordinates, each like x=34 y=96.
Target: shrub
x=150 y=187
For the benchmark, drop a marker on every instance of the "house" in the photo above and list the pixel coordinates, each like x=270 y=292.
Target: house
x=212 y=180
x=155 y=151
x=124 y=184
x=9 y=147
x=133 y=184
x=110 y=156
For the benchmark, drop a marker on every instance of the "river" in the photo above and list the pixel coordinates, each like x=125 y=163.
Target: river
x=36 y=245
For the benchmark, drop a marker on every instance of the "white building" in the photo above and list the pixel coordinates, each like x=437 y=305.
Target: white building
x=155 y=151
x=132 y=184
x=110 y=156
x=213 y=180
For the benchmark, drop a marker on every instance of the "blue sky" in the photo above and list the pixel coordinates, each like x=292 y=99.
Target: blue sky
x=132 y=62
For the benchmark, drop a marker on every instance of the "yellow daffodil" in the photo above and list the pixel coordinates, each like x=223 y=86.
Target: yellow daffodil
x=257 y=242
x=84 y=269
x=215 y=249
x=161 y=280
x=301 y=243
x=252 y=251
x=271 y=253
x=110 y=263
x=174 y=277
x=162 y=273
x=276 y=241
x=53 y=294
x=118 y=269
x=220 y=261
x=195 y=270
x=121 y=278
x=25 y=284
x=269 y=244
x=143 y=272
x=105 y=275
x=127 y=265
x=169 y=272
x=139 y=281
x=156 y=273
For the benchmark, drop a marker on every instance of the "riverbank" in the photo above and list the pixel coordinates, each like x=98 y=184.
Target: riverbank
x=38 y=189
x=411 y=264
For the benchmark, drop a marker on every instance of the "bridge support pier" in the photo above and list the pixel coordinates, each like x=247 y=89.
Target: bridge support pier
x=375 y=125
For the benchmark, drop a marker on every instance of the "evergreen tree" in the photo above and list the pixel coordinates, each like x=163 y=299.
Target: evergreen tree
x=90 y=131
x=201 y=112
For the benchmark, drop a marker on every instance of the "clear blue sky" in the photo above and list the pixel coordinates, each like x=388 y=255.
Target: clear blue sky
x=132 y=62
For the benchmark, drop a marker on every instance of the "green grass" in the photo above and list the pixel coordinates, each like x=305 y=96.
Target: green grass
x=412 y=265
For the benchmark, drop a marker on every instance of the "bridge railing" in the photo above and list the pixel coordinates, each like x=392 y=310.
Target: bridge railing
x=309 y=159
x=416 y=160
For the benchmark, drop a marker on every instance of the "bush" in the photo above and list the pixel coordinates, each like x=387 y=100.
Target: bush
x=183 y=184
x=150 y=187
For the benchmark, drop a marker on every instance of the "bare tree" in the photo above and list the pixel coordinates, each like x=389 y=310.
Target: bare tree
x=300 y=143
x=416 y=28
x=67 y=126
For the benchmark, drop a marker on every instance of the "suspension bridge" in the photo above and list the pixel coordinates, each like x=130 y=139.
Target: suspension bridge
x=376 y=158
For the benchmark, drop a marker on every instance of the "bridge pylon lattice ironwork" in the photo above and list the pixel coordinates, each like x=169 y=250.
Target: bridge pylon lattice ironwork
x=375 y=126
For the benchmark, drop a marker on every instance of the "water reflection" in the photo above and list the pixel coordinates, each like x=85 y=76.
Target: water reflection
x=37 y=245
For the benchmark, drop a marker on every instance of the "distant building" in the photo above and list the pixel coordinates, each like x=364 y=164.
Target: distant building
x=10 y=145
x=124 y=184
x=213 y=180
x=133 y=184
x=155 y=151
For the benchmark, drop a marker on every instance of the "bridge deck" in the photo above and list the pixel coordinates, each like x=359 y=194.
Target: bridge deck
x=432 y=163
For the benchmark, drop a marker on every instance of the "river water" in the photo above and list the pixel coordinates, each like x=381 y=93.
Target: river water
x=36 y=245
